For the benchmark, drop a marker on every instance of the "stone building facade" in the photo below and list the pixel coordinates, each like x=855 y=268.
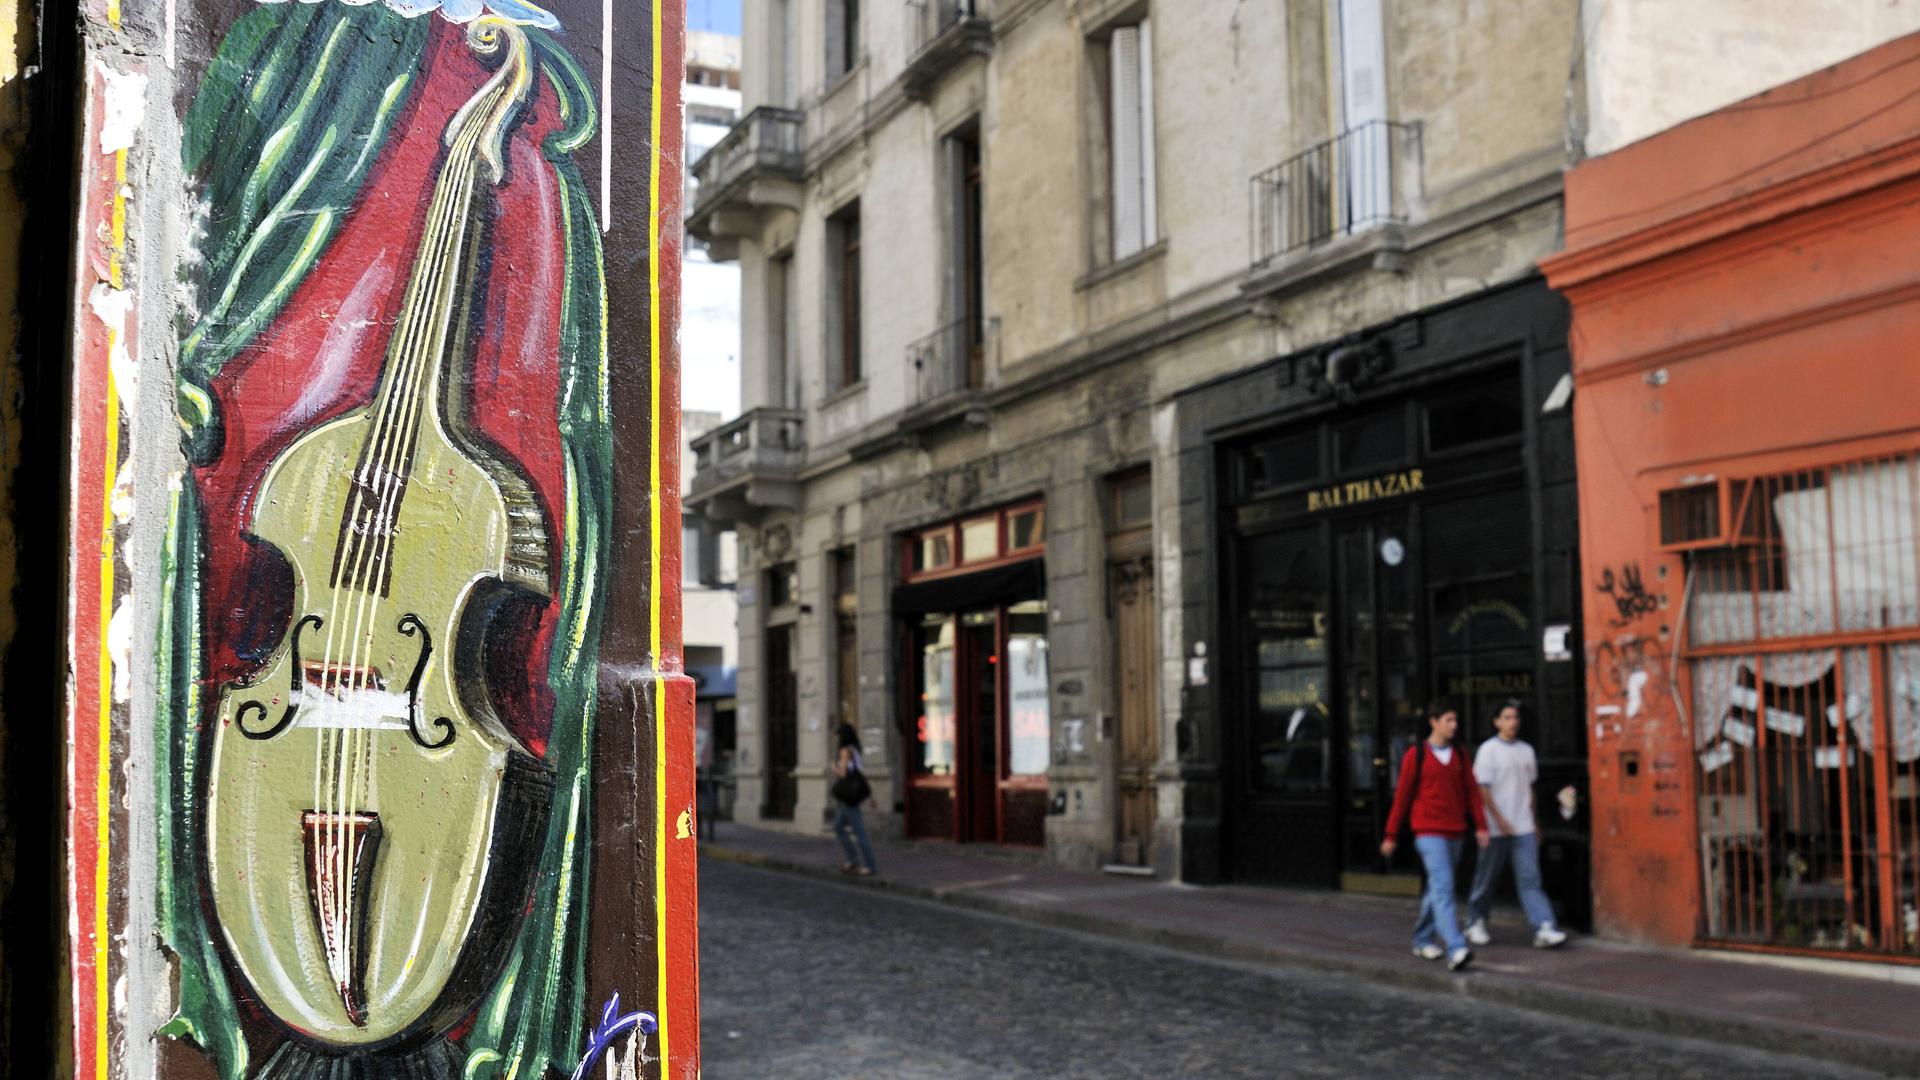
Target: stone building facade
x=1020 y=280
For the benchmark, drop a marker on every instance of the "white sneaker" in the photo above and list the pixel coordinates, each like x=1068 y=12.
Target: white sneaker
x=1477 y=933
x=1549 y=937
x=1459 y=959
x=1429 y=952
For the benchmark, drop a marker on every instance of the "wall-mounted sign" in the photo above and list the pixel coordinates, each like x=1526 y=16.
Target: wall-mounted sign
x=1554 y=643
x=1355 y=492
x=1513 y=683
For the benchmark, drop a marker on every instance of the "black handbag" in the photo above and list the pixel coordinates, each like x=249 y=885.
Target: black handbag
x=852 y=789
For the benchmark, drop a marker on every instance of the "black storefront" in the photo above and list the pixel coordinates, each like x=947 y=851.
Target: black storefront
x=1392 y=519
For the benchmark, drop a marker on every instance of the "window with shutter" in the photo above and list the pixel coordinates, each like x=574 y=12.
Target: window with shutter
x=1130 y=138
x=1364 y=163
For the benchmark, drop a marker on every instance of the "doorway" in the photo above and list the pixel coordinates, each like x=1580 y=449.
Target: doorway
x=1374 y=561
x=783 y=729
x=980 y=747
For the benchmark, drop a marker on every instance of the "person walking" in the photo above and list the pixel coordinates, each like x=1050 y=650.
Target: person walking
x=1437 y=798
x=850 y=789
x=1506 y=769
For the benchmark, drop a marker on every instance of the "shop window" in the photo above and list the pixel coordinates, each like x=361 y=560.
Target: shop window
x=1025 y=530
x=1282 y=463
x=933 y=745
x=1030 y=720
x=932 y=550
x=1003 y=535
x=979 y=540
x=1484 y=414
x=1372 y=441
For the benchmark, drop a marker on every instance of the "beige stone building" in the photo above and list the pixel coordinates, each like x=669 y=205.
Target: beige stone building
x=1123 y=385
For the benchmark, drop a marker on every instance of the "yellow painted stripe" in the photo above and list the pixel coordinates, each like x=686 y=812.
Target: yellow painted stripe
x=653 y=570
x=103 y=780
x=113 y=13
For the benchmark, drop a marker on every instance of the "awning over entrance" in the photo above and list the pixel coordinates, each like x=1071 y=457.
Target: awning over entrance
x=1024 y=580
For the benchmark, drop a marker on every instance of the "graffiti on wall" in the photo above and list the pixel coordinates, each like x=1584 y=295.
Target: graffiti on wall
x=1627 y=594
x=386 y=562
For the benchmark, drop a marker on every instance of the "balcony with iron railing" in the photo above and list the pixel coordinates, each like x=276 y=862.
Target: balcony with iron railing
x=1357 y=186
x=951 y=366
x=759 y=165
x=941 y=35
x=749 y=465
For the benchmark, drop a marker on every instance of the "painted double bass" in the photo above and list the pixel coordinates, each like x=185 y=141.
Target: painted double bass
x=369 y=818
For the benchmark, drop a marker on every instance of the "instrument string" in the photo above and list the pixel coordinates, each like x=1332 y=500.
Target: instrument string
x=423 y=346
x=344 y=756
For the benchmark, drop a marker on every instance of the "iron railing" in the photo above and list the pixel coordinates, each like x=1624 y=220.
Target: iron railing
x=767 y=138
x=1803 y=655
x=927 y=20
x=1348 y=184
x=950 y=360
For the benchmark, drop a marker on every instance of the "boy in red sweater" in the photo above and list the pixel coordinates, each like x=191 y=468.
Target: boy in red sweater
x=1437 y=792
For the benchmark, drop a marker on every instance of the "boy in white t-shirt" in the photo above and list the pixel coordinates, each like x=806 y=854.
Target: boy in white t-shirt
x=1506 y=769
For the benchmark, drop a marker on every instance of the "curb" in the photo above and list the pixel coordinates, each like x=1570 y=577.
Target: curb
x=1887 y=1056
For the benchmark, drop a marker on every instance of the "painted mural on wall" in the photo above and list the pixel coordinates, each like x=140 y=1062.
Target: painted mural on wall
x=386 y=563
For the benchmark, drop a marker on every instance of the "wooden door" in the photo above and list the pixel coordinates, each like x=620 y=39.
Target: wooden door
x=1137 y=700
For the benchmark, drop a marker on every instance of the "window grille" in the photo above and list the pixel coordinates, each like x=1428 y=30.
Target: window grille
x=1803 y=647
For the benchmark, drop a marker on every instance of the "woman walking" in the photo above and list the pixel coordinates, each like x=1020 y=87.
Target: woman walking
x=850 y=789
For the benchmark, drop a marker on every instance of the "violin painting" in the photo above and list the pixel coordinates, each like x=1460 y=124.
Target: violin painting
x=389 y=572
x=368 y=807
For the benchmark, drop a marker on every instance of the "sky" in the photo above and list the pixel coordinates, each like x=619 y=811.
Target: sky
x=710 y=311
x=719 y=15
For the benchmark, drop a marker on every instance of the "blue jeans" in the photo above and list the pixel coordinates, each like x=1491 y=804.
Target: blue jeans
x=1525 y=851
x=849 y=826
x=1438 y=854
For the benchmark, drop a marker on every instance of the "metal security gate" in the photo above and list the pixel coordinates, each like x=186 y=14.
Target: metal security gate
x=1803 y=636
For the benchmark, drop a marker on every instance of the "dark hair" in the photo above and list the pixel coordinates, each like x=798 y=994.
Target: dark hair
x=847 y=736
x=1511 y=703
x=1440 y=707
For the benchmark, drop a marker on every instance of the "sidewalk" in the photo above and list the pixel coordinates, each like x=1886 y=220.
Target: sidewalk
x=1863 y=1021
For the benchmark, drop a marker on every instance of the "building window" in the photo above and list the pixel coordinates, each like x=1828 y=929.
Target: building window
x=968 y=281
x=1133 y=223
x=783 y=585
x=691 y=541
x=1803 y=640
x=843 y=238
x=930 y=551
x=1026 y=529
x=1132 y=500
x=1004 y=535
x=843 y=36
x=783 y=374
x=980 y=540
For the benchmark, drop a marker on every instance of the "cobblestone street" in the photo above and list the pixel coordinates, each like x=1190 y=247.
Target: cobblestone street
x=802 y=979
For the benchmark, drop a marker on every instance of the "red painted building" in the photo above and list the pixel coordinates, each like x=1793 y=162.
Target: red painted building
x=1748 y=431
